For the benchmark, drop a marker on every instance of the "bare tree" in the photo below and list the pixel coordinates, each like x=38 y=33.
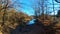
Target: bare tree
x=4 y=6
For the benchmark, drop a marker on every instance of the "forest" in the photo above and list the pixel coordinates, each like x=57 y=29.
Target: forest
x=15 y=22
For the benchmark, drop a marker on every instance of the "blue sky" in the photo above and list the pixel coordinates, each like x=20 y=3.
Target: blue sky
x=26 y=6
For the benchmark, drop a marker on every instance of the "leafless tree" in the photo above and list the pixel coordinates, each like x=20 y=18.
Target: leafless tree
x=5 y=5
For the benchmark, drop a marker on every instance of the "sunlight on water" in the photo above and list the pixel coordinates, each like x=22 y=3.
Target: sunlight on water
x=31 y=22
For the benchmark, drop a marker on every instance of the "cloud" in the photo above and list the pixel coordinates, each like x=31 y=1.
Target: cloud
x=54 y=12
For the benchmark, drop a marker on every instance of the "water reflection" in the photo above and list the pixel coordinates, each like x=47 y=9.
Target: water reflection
x=31 y=22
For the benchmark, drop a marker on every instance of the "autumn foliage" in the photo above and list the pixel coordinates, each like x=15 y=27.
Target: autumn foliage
x=13 y=19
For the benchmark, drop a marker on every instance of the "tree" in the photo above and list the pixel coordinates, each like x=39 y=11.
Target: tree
x=14 y=19
x=58 y=14
x=8 y=21
x=4 y=6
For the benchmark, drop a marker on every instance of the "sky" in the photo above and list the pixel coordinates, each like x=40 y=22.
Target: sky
x=26 y=6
